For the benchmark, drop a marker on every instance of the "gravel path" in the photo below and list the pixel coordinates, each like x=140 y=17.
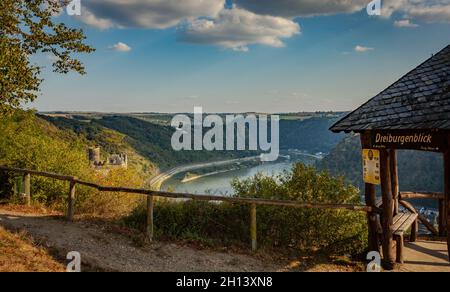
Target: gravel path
x=109 y=251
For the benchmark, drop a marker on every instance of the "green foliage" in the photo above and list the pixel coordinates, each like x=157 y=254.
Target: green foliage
x=32 y=143
x=311 y=134
x=148 y=139
x=28 y=28
x=302 y=229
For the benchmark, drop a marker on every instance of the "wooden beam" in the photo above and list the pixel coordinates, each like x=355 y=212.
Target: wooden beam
x=394 y=178
x=27 y=188
x=38 y=173
x=282 y=203
x=71 y=202
x=447 y=196
x=371 y=201
x=150 y=219
x=370 y=197
x=441 y=218
x=388 y=207
x=422 y=195
x=253 y=233
x=422 y=219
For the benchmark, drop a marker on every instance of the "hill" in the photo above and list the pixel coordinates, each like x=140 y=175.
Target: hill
x=149 y=135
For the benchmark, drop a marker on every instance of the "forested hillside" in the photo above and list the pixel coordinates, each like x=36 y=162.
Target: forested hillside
x=311 y=134
x=151 y=138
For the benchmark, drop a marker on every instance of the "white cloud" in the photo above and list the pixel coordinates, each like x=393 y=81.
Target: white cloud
x=405 y=23
x=264 y=22
x=431 y=13
x=121 y=47
x=90 y=19
x=295 y=8
x=424 y=10
x=362 y=49
x=158 y=14
x=236 y=29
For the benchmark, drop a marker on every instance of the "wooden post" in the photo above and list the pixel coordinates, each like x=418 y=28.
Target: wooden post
x=388 y=207
x=447 y=197
x=253 y=227
x=149 y=227
x=16 y=189
x=71 y=202
x=414 y=231
x=370 y=196
x=371 y=201
x=27 y=188
x=394 y=179
x=400 y=243
x=441 y=218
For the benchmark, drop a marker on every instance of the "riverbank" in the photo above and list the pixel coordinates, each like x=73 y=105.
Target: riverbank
x=157 y=181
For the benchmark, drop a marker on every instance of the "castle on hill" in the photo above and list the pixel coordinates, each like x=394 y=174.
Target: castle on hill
x=113 y=160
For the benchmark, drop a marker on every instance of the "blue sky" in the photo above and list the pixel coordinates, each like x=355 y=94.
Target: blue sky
x=307 y=61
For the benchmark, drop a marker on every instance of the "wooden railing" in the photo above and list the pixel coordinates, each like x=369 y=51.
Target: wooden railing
x=252 y=202
x=440 y=197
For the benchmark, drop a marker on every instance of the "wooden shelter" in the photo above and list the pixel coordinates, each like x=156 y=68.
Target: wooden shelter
x=413 y=113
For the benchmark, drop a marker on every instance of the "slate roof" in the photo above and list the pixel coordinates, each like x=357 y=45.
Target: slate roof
x=419 y=100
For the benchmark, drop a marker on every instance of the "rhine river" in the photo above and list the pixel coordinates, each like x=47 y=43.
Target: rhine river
x=220 y=183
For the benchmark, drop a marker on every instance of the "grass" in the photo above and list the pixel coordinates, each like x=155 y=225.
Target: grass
x=18 y=253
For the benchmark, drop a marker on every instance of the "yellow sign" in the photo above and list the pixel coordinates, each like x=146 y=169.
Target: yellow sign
x=371 y=166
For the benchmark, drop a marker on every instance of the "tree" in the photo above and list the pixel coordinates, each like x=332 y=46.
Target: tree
x=28 y=28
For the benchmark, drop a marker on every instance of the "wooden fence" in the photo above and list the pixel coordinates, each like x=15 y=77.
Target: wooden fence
x=252 y=202
x=440 y=197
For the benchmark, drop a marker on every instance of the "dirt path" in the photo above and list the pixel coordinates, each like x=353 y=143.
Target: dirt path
x=109 y=251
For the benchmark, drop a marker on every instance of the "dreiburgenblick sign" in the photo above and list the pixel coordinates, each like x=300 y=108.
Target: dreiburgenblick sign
x=416 y=140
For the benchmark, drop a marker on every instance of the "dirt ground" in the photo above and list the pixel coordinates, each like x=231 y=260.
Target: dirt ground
x=104 y=250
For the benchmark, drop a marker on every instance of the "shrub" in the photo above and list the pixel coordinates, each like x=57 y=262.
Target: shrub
x=32 y=143
x=333 y=231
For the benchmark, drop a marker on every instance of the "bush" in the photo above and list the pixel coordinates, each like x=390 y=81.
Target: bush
x=333 y=231
x=32 y=143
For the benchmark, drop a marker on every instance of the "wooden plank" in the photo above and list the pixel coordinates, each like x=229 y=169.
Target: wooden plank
x=388 y=207
x=421 y=218
x=253 y=233
x=406 y=223
x=421 y=195
x=150 y=219
x=398 y=220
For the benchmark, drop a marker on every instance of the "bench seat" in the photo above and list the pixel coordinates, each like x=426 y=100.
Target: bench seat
x=401 y=223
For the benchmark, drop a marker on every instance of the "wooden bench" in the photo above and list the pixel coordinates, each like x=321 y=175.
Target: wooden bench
x=401 y=223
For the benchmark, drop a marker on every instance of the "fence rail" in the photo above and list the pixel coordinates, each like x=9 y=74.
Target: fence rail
x=252 y=202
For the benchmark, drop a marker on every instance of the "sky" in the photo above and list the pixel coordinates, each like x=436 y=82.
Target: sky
x=242 y=56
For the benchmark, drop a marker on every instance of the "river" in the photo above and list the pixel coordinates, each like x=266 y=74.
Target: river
x=220 y=183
